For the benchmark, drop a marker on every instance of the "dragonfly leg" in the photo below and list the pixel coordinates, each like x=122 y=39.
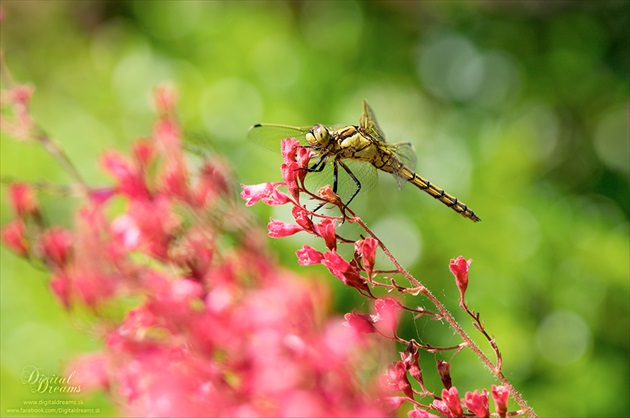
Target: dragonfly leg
x=352 y=176
x=313 y=169
x=319 y=165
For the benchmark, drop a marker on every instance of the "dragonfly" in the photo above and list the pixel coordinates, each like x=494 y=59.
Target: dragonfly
x=360 y=151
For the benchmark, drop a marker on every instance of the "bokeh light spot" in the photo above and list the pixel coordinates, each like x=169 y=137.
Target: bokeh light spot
x=611 y=139
x=402 y=237
x=563 y=337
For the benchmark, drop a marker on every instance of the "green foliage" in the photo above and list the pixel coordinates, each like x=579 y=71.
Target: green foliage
x=519 y=109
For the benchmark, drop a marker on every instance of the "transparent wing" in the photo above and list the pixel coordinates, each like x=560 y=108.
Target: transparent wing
x=369 y=125
x=269 y=135
x=363 y=171
x=407 y=156
x=405 y=152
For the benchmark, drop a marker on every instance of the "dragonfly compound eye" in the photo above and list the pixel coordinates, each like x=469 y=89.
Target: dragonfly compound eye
x=318 y=135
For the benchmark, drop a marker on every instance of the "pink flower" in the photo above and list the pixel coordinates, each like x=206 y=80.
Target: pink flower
x=55 y=245
x=442 y=408
x=444 y=369
x=329 y=195
x=22 y=199
x=130 y=179
x=501 y=395
x=395 y=378
x=302 y=218
x=387 y=312
x=411 y=357
x=165 y=98
x=420 y=413
x=345 y=272
x=450 y=398
x=308 y=256
x=289 y=175
x=143 y=152
x=266 y=192
x=157 y=222
x=60 y=285
x=18 y=98
x=125 y=231
x=212 y=184
x=278 y=229
x=289 y=147
x=14 y=237
x=303 y=158
x=211 y=325
x=477 y=403
x=362 y=323
x=459 y=268
x=366 y=248
x=326 y=230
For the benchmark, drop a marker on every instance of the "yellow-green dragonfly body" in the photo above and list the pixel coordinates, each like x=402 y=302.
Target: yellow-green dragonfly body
x=359 y=151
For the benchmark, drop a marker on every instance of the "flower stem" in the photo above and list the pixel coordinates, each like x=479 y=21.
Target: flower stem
x=525 y=408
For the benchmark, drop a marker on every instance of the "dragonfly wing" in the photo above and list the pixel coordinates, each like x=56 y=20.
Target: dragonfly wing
x=346 y=187
x=407 y=155
x=269 y=135
x=369 y=125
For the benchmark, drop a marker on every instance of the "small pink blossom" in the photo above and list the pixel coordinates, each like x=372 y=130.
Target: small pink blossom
x=20 y=123
x=477 y=403
x=366 y=249
x=411 y=357
x=14 y=237
x=22 y=94
x=265 y=192
x=444 y=369
x=308 y=256
x=302 y=218
x=23 y=199
x=326 y=230
x=362 y=323
x=130 y=179
x=442 y=408
x=395 y=378
x=387 y=312
x=157 y=222
x=60 y=285
x=303 y=158
x=165 y=98
x=501 y=396
x=125 y=231
x=329 y=195
x=289 y=147
x=278 y=229
x=143 y=152
x=345 y=272
x=420 y=413
x=137 y=323
x=450 y=398
x=459 y=268
x=289 y=175
x=55 y=245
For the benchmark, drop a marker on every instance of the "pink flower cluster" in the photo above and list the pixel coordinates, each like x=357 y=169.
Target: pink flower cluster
x=359 y=273
x=217 y=328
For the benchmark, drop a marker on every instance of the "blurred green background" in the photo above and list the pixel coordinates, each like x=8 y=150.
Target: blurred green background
x=518 y=108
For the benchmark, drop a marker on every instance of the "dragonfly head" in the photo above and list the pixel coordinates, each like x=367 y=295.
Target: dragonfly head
x=318 y=136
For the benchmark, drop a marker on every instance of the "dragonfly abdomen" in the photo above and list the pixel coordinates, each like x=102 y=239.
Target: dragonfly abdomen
x=439 y=194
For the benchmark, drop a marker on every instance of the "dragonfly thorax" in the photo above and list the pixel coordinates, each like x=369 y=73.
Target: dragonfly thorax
x=318 y=136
